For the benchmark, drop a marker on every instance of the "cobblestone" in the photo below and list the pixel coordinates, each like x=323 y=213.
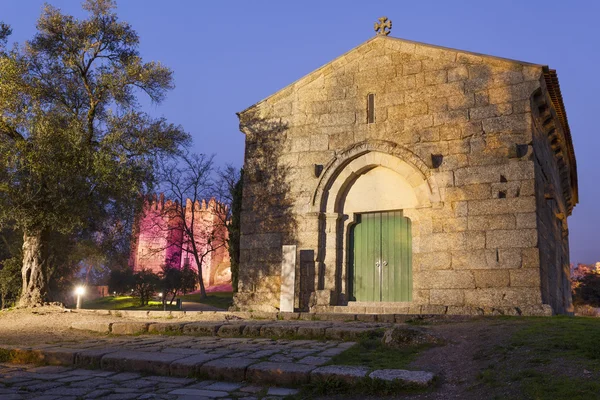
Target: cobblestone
x=174 y=364
x=125 y=386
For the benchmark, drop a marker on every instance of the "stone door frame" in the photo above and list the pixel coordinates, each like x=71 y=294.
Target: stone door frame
x=334 y=226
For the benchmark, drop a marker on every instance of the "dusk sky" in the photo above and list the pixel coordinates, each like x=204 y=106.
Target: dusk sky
x=228 y=55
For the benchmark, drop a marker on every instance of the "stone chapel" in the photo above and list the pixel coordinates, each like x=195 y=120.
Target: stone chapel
x=403 y=177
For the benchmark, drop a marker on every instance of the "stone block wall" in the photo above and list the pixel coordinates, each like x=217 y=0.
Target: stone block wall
x=475 y=236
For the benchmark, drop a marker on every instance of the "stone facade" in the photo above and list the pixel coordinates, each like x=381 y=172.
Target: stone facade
x=475 y=150
x=159 y=239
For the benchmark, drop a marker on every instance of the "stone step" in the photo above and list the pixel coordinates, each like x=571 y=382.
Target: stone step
x=243 y=328
x=207 y=366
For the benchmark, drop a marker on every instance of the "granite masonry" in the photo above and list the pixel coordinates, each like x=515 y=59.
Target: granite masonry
x=469 y=154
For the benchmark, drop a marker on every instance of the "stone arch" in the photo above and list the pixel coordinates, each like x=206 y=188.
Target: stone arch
x=338 y=176
x=353 y=161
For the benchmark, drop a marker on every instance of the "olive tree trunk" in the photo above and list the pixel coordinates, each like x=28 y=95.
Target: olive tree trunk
x=35 y=269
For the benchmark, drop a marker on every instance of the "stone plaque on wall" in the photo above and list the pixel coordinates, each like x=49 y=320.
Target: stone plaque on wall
x=288 y=278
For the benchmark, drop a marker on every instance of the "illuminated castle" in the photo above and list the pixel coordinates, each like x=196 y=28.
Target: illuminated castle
x=160 y=238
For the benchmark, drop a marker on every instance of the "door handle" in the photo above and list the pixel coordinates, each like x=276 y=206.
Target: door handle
x=385 y=263
x=378 y=264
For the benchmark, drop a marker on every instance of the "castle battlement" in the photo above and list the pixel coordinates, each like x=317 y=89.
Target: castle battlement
x=162 y=236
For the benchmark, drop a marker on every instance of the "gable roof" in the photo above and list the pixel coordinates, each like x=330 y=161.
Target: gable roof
x=435 y=51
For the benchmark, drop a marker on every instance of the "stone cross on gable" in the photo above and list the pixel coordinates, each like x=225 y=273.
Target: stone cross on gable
x=384 y=26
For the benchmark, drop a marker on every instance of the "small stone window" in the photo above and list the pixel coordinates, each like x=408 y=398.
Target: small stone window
x=370 y=108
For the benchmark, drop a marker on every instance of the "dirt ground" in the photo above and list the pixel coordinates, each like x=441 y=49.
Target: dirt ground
x=42 y=325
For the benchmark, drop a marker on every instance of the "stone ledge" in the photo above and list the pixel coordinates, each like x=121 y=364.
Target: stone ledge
x=267 y=329
x=367 y=312
x=206 y=365
x=345 y=373
x=280 y=373
x=417 y=378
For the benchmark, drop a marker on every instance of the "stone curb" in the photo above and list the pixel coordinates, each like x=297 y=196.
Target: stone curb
x=340 y=313
x=247 y=328
x=206 y=365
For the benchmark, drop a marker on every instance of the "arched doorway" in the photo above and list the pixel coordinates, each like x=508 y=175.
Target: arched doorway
x=380 y=180
x=380 y=237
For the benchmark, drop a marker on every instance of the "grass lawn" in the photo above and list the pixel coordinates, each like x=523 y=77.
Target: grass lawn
x=217 y=299
x=549 y=358
x=371 y=353
x=222 y=300
x=123 y=303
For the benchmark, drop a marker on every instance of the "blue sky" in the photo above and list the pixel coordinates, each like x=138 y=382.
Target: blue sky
x=227 y=55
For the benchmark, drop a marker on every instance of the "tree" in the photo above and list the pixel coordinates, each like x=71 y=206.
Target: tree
x=189 y=181
x=586 y=285
x=233 y=183
x=120 y=281
x=5 y=32
x=188 y=279
x=10 y=281
x=75 y=148
x=145 y=283
x=171 y=280
x=175 y=280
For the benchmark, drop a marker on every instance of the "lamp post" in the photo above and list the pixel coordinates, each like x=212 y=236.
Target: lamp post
x=79 y=291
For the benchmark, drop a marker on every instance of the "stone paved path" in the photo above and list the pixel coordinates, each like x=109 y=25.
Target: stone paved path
x=309 y=352
x=29 y=382
x=261 y=361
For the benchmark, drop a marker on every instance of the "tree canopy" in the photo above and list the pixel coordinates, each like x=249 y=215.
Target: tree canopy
x=75 y=147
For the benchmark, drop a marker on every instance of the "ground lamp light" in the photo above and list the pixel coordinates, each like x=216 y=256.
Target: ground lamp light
x=163 y=301
x=79 y=291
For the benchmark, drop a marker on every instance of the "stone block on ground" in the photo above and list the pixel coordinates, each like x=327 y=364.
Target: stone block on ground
x=137 y=361
x=279 y=373
x=92 y=358
x=202 y=328
x=311 y=331
x=227 y=369
x=173 y=327
x=314 y=360
x=101 y=327
x=346 y=332
x=231 y=330
x=278 y=330
x=275 y=391
x=407 y=336
x=190 y=366
x=252 y=330
x=417 y=378
x=60 y=355
x=129 y=328
x=198 y=393
x=224 y=386
x=346 y=373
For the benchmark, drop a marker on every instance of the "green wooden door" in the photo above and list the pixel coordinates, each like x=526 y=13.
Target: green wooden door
x=381 y=255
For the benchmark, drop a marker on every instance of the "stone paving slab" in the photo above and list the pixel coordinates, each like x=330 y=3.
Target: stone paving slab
x=229 y=369
x=418 y=378
x=190 y=365
x=344 y=373
x=113 y=386
x=259 y=360
x=140 y=361
x=280 y=373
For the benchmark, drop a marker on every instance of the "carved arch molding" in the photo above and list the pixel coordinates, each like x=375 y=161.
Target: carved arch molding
x=353 y=160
